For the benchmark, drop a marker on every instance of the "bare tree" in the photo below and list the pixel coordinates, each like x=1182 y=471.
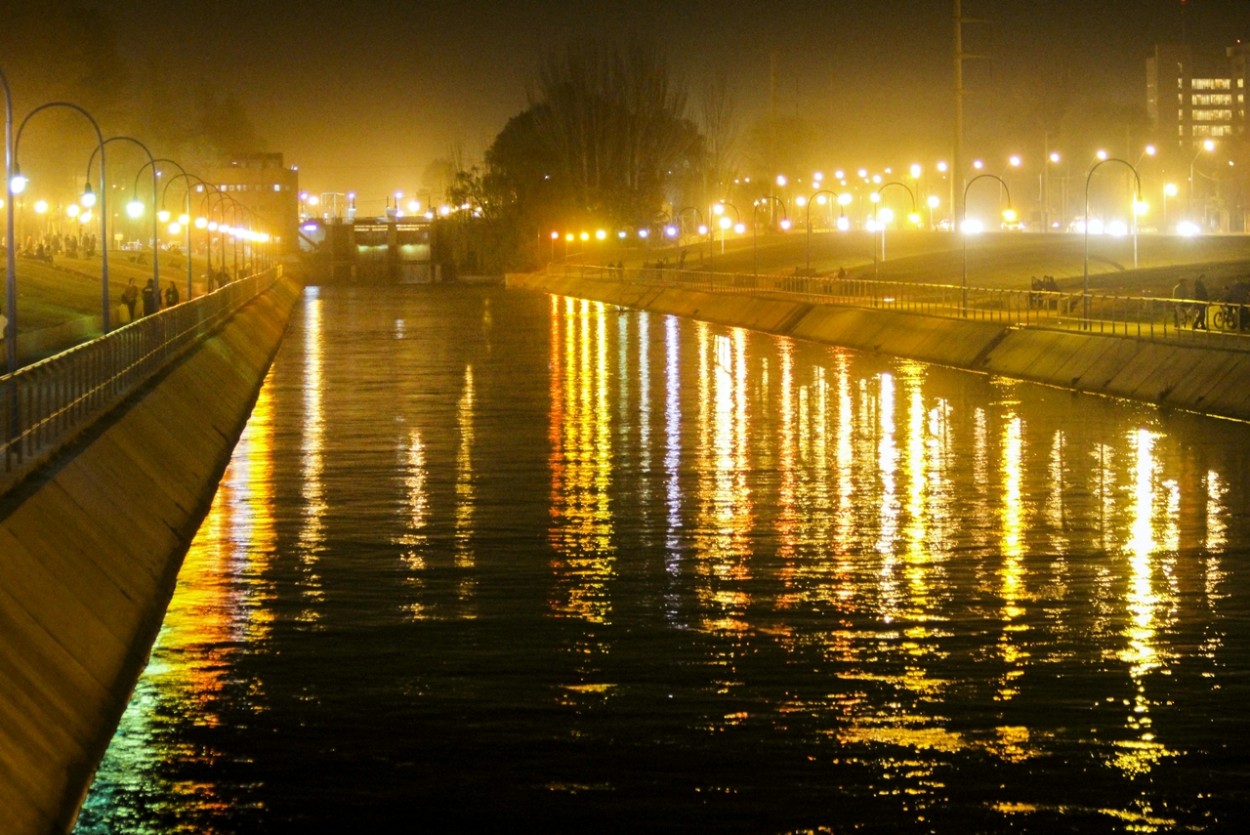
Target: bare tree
x=615 y=123
x=720 y=131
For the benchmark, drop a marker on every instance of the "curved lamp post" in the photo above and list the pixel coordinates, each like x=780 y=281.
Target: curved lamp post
x=1208 y=145
x=755 y=232
x=211 y=226
x=808 y=220
x=156 y=261
x=718 y=209
x=18 y=182
x=10 y=284
x=682 y=211
x=184 y=175
x=1136 y=206
x=876 y=199
x=963 y=220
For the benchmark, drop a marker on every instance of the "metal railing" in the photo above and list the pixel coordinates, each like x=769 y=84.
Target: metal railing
x=45 y=404
x=1137 y=317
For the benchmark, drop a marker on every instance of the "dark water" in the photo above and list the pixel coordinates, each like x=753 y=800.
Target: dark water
x=490 y=561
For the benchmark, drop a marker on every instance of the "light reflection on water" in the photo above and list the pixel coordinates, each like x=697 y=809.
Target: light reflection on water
x=479 y=551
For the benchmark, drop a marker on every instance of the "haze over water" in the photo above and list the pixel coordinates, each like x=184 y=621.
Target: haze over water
x=493 y=559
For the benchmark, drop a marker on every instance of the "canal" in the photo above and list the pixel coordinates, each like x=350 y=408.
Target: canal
x=492 y=559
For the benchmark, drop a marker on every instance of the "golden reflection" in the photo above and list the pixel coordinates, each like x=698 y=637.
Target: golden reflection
x=844 y=456
x=414 y=539
x=674 y=498
x=312 y=535
x=1011 y=575
x=466 y=494
x=915 y=470
x=1216 y=539
x=887 y=470
x=1055 y=509
x=220 y=604
x=1214 y=578
x=581 y=531
x=787 y=512
x=1144 y=602
x=644 y=400
x=724 y=523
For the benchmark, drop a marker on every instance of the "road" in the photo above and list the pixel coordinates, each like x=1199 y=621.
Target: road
x=998 y=260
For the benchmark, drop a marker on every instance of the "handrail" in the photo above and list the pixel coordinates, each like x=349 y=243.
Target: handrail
x=1136 y=317
x=43 y=406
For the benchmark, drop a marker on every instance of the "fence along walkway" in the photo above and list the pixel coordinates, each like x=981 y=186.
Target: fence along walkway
x=43 y=406
x=1136 y=317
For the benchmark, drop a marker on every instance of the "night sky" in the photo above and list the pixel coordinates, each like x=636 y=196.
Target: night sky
x=362 y=95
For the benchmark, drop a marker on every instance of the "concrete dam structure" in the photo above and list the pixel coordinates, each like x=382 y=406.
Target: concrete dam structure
x=90 y=549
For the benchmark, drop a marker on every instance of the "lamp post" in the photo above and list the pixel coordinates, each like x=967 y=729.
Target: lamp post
x=963 y=231
x=156 y=266
x=186 y=223
x=807 y=210
x=209 y=226
x=718 y=209
x=876 y=199
x=698 y=214
x=1169 y=190
x=1208 y=145
x=1049 y=159
x=10 y=288
x=1136 y=205
x=18 y=182
x=755 y=233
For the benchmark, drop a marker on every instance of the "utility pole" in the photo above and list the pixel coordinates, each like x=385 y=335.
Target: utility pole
x=958 y=174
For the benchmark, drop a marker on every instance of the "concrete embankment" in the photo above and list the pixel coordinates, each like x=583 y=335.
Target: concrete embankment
x=1199 y=372
x=89 y=555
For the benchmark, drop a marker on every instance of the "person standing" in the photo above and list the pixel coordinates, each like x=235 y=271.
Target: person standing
x=130 y=296
x=1200 y=309
x=171 y=295
x=149 y=297
x=1180 y=311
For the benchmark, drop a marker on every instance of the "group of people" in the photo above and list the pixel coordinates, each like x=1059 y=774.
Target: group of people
x=1038 y=287
x=150 y=296
x=45 y=247
x=1185 y=309
x=1232 y=313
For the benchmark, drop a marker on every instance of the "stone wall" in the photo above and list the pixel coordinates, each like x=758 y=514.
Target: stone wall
x=1198 y=372
x=89 y=556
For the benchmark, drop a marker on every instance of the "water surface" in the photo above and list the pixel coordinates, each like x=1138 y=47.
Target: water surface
x=490 y=560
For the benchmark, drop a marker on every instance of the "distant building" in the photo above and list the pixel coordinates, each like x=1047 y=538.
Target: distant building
x=1194 y=97
x=387 y=249
x=266 y=187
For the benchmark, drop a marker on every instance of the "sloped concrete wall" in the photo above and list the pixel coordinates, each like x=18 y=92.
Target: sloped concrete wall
x=1203 y=375
x=89 y=554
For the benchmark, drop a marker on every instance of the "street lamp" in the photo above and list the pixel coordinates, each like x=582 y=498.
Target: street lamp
x=135 y=208
x=1169 y=190
x=210 y=226
x=10 y=288
x=1137 y=203
x=724 y=222
x=186 y=222
x=755 y=232
x=876 y=199
x=808 y=218
x=17 y=182
x=702 y=228
x=963 y=231
x=1208 y=145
